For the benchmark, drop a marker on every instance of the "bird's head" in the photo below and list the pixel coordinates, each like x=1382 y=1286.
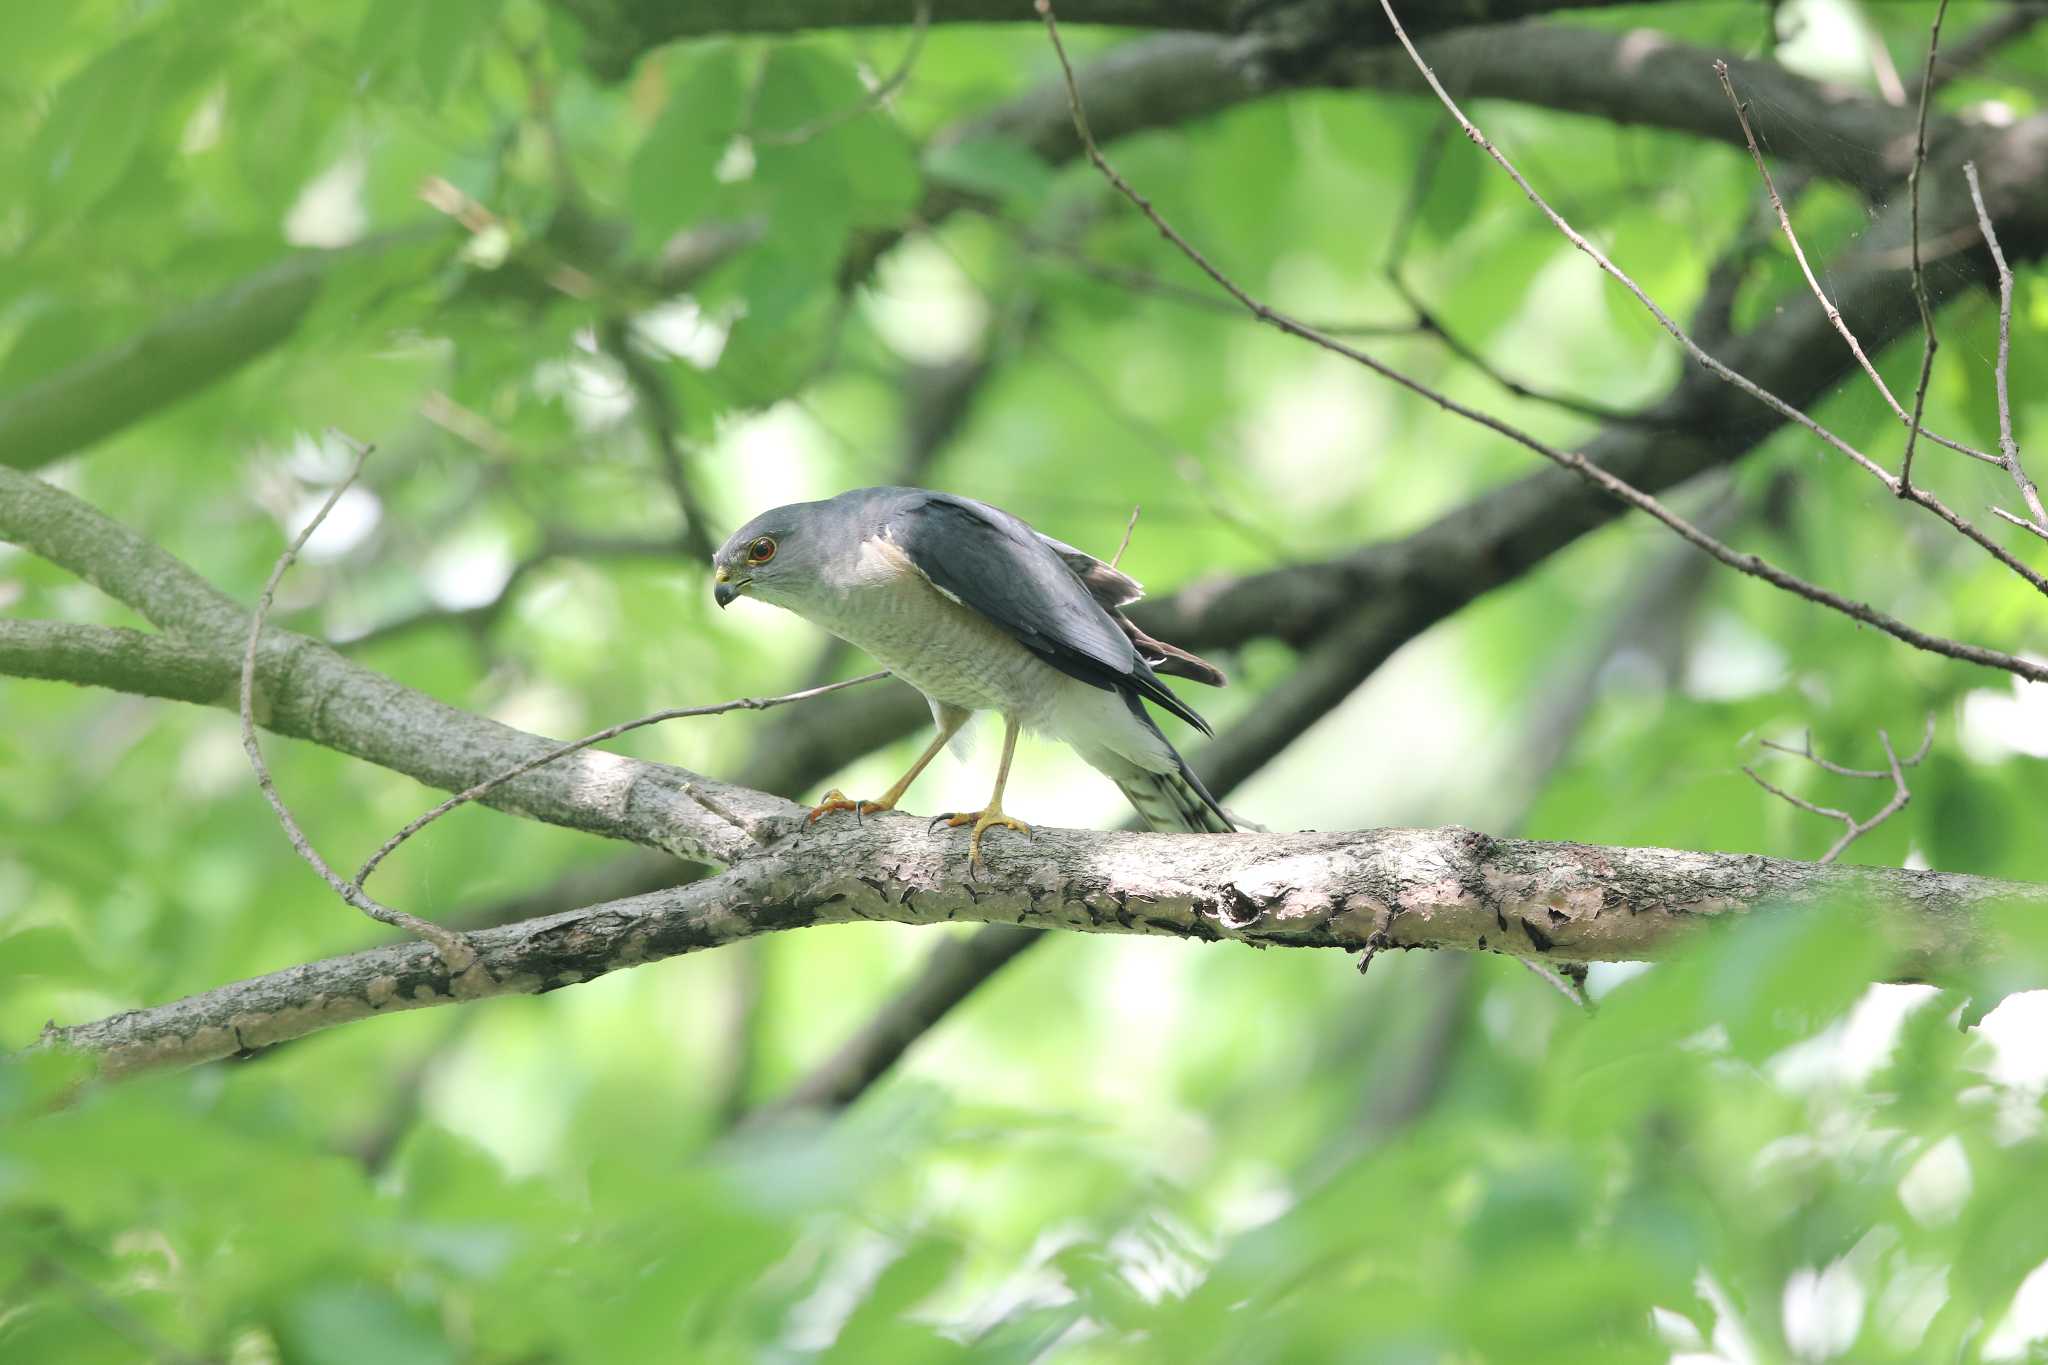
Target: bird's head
x=779 y=557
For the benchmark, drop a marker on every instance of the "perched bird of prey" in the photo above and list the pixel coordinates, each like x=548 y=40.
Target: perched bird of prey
x=979 y=612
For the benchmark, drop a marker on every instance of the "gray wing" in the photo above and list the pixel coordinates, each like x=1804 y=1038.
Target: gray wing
x=1000 y=567
x=1114 y=590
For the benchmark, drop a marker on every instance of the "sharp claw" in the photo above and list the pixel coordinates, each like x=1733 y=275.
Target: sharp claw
x=838 y=800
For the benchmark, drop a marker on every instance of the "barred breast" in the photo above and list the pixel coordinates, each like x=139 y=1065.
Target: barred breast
x=948 y=651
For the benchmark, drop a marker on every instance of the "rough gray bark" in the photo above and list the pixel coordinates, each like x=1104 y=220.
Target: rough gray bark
x=1450 y=888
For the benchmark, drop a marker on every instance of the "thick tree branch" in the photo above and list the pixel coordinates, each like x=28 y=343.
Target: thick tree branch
x=179 y=356
x=1449 y=888
x=621 y=31
x=307 y=690
x=1648 y=78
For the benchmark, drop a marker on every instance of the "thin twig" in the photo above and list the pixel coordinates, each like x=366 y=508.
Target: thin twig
x=1834 y=314
x=825 y=123
x=1608 y=483
x=1429 y=324
x=1145 y=282
x=2018 y=19
x=1897 y=486
x=1558 y=982
x=489 y=784
x=1930 y=343
x=657 y=409
x=1853 y=828
x=2008 y=447
x=455 y=951
x=1125 y=543
x=114 y=1315
x=1882 y=68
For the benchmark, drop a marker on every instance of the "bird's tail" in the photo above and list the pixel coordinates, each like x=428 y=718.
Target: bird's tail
x=1175 y=801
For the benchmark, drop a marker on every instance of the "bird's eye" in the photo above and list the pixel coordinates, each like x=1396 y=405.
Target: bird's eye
x=761 y=551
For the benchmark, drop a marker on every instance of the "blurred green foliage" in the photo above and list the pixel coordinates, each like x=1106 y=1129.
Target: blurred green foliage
x=1118 y=1149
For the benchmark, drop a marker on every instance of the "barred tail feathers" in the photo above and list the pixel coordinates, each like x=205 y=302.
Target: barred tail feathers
x=1174 y=801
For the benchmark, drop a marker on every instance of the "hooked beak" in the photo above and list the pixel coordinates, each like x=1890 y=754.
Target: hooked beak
x=726 y=589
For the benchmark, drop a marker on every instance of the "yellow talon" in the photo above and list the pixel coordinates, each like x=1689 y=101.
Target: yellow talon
x=838 y=800
x=983 y=821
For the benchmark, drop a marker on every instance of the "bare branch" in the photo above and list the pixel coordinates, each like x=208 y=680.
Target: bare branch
x=1898 y=486
x=1146 y=283
x=1929 y=343
x=1853 y=828
x=1834 y=314
x=1125 y=543
x=2018 y=19
x=308 y=690
x=2008 y=447
x=656 y=406
x=560 y=751
x=459 y=957
x=1451 y=888
x=1550 y=976
x=1429 y=324
x=1750 y=564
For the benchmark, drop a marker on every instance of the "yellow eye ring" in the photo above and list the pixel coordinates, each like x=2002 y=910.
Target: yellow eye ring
x=761 y=551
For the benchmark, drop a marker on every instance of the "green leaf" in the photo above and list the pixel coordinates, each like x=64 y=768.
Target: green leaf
x=348 y=1322
x=1001 y=168
x=670 y=183
x=47 y=950
x=94 y=129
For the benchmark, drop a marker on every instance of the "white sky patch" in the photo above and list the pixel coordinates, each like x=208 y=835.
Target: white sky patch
x=329 y=210
x=1145 y=996
x=202 y=131
x=354 y=517
x=769 y=458
x=1910 y=1299
x=684 y=330
x=212 y=764
x=736 y=163
x=590 y=386
x=1937 y=1186
x=468 y=573
x=543 y=710
x=1728 y=661
x=816 y=1321
x=1730 y=1345
x=1602 y=977
x=1315 y=437
x=2026 y=1322
x=1849 y=1051
x=1825 y=40
x=1823 y=1310
x=1416 y=746
x=1998 y=723
x=924 y=307
x=2016 y=1030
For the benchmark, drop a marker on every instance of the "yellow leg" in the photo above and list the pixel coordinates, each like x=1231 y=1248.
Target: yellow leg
x=949 y=726
x=989 y=818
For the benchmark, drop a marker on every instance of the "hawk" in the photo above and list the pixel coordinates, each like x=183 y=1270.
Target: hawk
x=979 y=612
